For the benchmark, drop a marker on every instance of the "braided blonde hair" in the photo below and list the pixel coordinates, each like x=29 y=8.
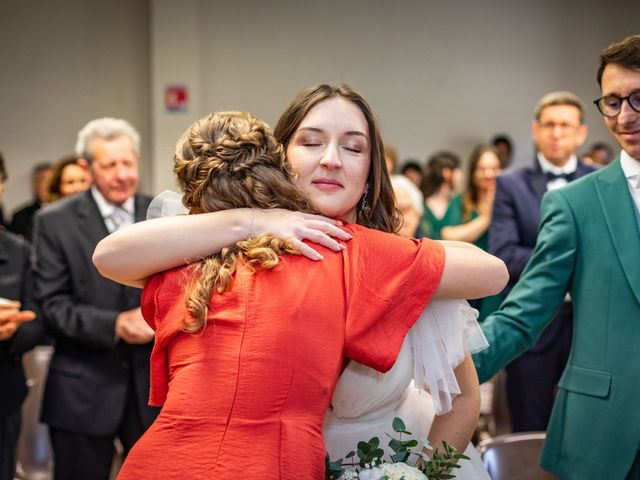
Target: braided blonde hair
x=232 y=160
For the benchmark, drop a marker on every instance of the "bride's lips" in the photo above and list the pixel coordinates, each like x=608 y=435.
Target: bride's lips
x=327 y=184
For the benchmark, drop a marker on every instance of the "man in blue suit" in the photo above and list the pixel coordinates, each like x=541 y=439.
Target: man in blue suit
x=558 y=130
x=589 y=247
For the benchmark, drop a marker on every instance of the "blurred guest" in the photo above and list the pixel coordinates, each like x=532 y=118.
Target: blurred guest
x=558 y=130
x=22 y=219
x=441 y=181
x=410 y=216
x=3 y=179
x=471 y=224
x=404 y=184
x=504 y=147
x=19 y=331
x=413 y=171
x=601 y=154
x=98 y=382
x=69 y=176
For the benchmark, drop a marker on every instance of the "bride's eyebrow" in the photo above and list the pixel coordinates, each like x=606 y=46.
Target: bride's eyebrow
x=310 y=129
x=357 y=133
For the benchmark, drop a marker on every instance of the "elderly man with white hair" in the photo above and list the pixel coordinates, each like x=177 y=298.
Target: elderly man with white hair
x=98 y=381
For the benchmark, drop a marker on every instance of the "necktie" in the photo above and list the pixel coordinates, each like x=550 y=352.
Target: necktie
x=119 y=217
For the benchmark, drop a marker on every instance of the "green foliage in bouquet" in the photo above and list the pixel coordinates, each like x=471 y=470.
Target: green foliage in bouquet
x=370 y=455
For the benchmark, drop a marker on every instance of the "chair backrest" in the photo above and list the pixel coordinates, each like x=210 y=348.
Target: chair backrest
x=514 y=456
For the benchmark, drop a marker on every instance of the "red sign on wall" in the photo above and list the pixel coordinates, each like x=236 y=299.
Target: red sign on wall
x=175 y=98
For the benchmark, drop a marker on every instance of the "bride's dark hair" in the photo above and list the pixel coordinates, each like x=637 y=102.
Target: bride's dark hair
x=232 y=160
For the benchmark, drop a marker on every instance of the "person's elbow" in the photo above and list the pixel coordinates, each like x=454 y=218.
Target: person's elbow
x=101 y=258
x=497 y=275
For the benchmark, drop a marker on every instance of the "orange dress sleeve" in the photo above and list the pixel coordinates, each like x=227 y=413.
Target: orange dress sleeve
x=148 y=300
x=388 y=282
x=162 y=305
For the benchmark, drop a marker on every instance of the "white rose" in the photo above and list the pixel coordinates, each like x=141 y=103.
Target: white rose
x=370 y=474
x=397 y=471
x=349 y=474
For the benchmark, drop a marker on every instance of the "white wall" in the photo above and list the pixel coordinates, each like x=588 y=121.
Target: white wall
x=440 y=74
x=175 y=60
x=64 y=63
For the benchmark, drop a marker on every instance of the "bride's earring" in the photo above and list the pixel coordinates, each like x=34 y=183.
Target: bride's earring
x=363 y=202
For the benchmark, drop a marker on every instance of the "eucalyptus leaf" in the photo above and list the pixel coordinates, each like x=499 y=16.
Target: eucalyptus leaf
x=410 y=443
x=396 y=445
x=363 y=447
x=398 y=425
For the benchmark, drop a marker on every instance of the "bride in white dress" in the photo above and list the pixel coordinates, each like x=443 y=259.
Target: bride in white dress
x=366 y=401
x=421 y=384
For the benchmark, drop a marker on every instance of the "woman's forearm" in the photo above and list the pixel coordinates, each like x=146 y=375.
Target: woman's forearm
x=131 y=255
x=457 y=426
x=470 y=272
x=467 y=232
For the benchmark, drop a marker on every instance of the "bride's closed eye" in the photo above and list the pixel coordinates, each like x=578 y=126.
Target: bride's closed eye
x=353 y=148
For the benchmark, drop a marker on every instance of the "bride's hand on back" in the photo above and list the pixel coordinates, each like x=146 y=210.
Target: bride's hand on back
x=297 y=226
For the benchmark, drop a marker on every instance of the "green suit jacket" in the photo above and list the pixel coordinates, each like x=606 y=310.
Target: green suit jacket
x=589 y=246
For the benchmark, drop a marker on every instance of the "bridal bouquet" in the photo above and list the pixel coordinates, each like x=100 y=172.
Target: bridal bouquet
x=404 y=464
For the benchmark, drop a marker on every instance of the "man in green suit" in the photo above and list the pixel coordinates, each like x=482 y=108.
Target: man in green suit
x=588 y=246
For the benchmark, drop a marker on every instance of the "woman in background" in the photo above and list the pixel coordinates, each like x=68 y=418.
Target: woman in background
x=471 y=220
x=68 y=177
x=439 y=185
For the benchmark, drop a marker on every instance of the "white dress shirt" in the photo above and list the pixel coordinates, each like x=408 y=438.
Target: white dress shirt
x=115 y=216
x=568 y=168
x=631 y=170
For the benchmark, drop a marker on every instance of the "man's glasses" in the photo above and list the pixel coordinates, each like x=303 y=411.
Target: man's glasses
x=552 y=126
x=610 y=105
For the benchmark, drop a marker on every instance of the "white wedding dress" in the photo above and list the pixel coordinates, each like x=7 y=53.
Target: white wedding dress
x=365 y=401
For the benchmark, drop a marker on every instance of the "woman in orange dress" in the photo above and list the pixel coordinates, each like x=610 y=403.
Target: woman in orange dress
x=246 y=377
x=251 y=403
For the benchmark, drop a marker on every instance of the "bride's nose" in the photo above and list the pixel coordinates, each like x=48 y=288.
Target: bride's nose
x=330 y=158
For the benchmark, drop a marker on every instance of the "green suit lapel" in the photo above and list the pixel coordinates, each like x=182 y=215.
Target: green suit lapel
x=620 y=216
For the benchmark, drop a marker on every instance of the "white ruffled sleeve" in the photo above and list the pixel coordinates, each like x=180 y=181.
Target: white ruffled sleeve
x=445 y=333
x=166 y=204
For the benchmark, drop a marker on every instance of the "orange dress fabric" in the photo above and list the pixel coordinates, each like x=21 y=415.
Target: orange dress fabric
x=247 y=397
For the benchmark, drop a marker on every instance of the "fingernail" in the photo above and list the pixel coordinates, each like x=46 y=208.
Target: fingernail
x=341 y=247
x=319 y=257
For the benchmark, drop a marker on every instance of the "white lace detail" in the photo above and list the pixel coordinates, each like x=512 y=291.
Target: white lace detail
x=166 y=204
x=446 y=331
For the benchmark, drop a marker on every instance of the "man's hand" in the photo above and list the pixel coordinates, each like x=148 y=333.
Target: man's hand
x=131 y=327
x=11 y=317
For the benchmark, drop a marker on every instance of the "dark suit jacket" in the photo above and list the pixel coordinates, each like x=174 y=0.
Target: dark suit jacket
x=22 y=220
x=16 y=283
x=516 y=216
x=91 y=370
